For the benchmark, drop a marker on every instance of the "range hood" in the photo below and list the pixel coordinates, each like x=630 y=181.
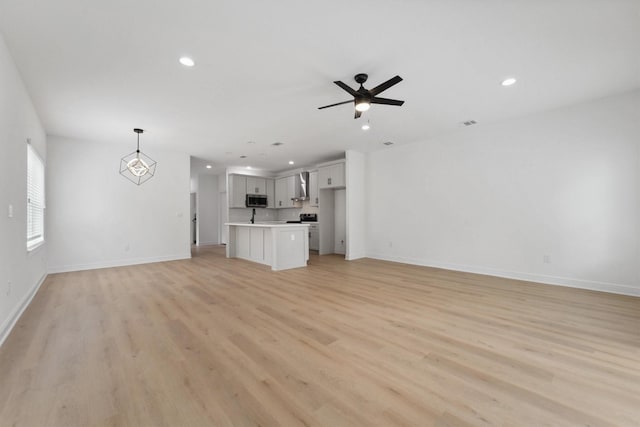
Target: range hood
x=301 y=187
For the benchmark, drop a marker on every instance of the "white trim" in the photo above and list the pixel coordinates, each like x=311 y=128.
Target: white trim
x=613 y=288
x=34 y=246
x=353 y=257
x=332 y=162
x=13 y=318
x=115 y=263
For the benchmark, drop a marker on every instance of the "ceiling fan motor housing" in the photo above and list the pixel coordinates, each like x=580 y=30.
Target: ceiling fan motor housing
x=360 y=78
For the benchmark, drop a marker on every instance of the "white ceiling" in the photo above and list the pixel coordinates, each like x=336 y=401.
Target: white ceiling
x=97 y=69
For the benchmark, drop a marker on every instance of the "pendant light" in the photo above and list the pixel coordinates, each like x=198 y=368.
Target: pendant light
x=137 y=167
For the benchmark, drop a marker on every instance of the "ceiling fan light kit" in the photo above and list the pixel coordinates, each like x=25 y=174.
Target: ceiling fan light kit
x=363 y=98
x=137 y=167
x=362 y=106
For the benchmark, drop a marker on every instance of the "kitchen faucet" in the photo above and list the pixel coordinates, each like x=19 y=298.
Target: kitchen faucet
x=253 y=216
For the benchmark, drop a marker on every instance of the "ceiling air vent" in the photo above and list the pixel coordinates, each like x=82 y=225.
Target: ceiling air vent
x=388 y=143
x=469 y=123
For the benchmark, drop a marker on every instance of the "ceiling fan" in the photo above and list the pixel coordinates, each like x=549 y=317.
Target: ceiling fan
x=363 y=98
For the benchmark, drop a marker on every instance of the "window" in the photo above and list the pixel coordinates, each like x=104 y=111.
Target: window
x=35 y=199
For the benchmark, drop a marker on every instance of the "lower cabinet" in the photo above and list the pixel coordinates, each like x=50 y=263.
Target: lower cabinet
x=314 y=237
x=254 y=244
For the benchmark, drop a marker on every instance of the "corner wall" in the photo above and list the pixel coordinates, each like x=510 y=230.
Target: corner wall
x=21 y=272
x=207 y=210
x=357 y=217
x=552 y=197
x=98 y=219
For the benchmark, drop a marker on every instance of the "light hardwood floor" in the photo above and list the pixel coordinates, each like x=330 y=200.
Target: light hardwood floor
x=218 y=342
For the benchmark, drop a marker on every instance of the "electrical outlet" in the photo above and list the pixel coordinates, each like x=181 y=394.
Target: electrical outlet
x=293 y=237
x=546 y=259
x=10 y=211
x=390 y=244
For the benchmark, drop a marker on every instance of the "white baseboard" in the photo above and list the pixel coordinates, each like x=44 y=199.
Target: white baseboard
x=613 y=288
x=115 y=263
x=352 y=257
x=8 y=324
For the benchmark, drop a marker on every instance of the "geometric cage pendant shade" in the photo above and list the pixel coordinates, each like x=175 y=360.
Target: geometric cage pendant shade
x=137 y=167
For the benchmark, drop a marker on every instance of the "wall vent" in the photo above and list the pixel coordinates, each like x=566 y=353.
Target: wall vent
x=469 y=123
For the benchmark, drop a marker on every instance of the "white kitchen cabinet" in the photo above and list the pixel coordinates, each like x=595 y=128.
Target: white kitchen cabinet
x=292 y=186
x=331 y=176
x=313 y=188
x=281 y=193
x=282 y=246
x=237 y=191
x=285 y=192
x=271 y=193
x=314 y=237
x=256 y=185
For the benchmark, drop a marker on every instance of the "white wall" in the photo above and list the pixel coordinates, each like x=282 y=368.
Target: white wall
x=97 y=218
x=499 y=198
x=340 y=221
x=208 y=210
x=356 y=212
x=20 y=272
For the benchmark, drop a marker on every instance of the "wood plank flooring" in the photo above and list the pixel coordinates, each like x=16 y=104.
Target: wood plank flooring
x=218 y=342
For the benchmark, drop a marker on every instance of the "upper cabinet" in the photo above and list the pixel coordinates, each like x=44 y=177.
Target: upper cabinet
x=331 y=176
x=313 y=188
x=271 y=193
x=281 y=193
x=256 y=185
x=286 y=192
x=237 y=191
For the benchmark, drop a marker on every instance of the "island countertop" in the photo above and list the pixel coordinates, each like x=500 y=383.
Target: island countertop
x=266 y=224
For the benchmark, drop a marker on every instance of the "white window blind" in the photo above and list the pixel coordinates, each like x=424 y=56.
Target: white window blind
x=35 y=198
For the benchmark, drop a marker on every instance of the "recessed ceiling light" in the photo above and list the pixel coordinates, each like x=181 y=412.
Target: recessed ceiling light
x=509 y=81
x=290 y=162
x=366 y=126
x=187 y=62
x=208 y=166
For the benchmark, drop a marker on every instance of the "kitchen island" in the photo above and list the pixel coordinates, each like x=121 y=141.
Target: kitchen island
x=280 y=245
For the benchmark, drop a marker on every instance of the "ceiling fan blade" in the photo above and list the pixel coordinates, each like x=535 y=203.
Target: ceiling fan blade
x=346 y=88
x=333 y=105
x=358 y=114
x=386 y=85
x=376 y=100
